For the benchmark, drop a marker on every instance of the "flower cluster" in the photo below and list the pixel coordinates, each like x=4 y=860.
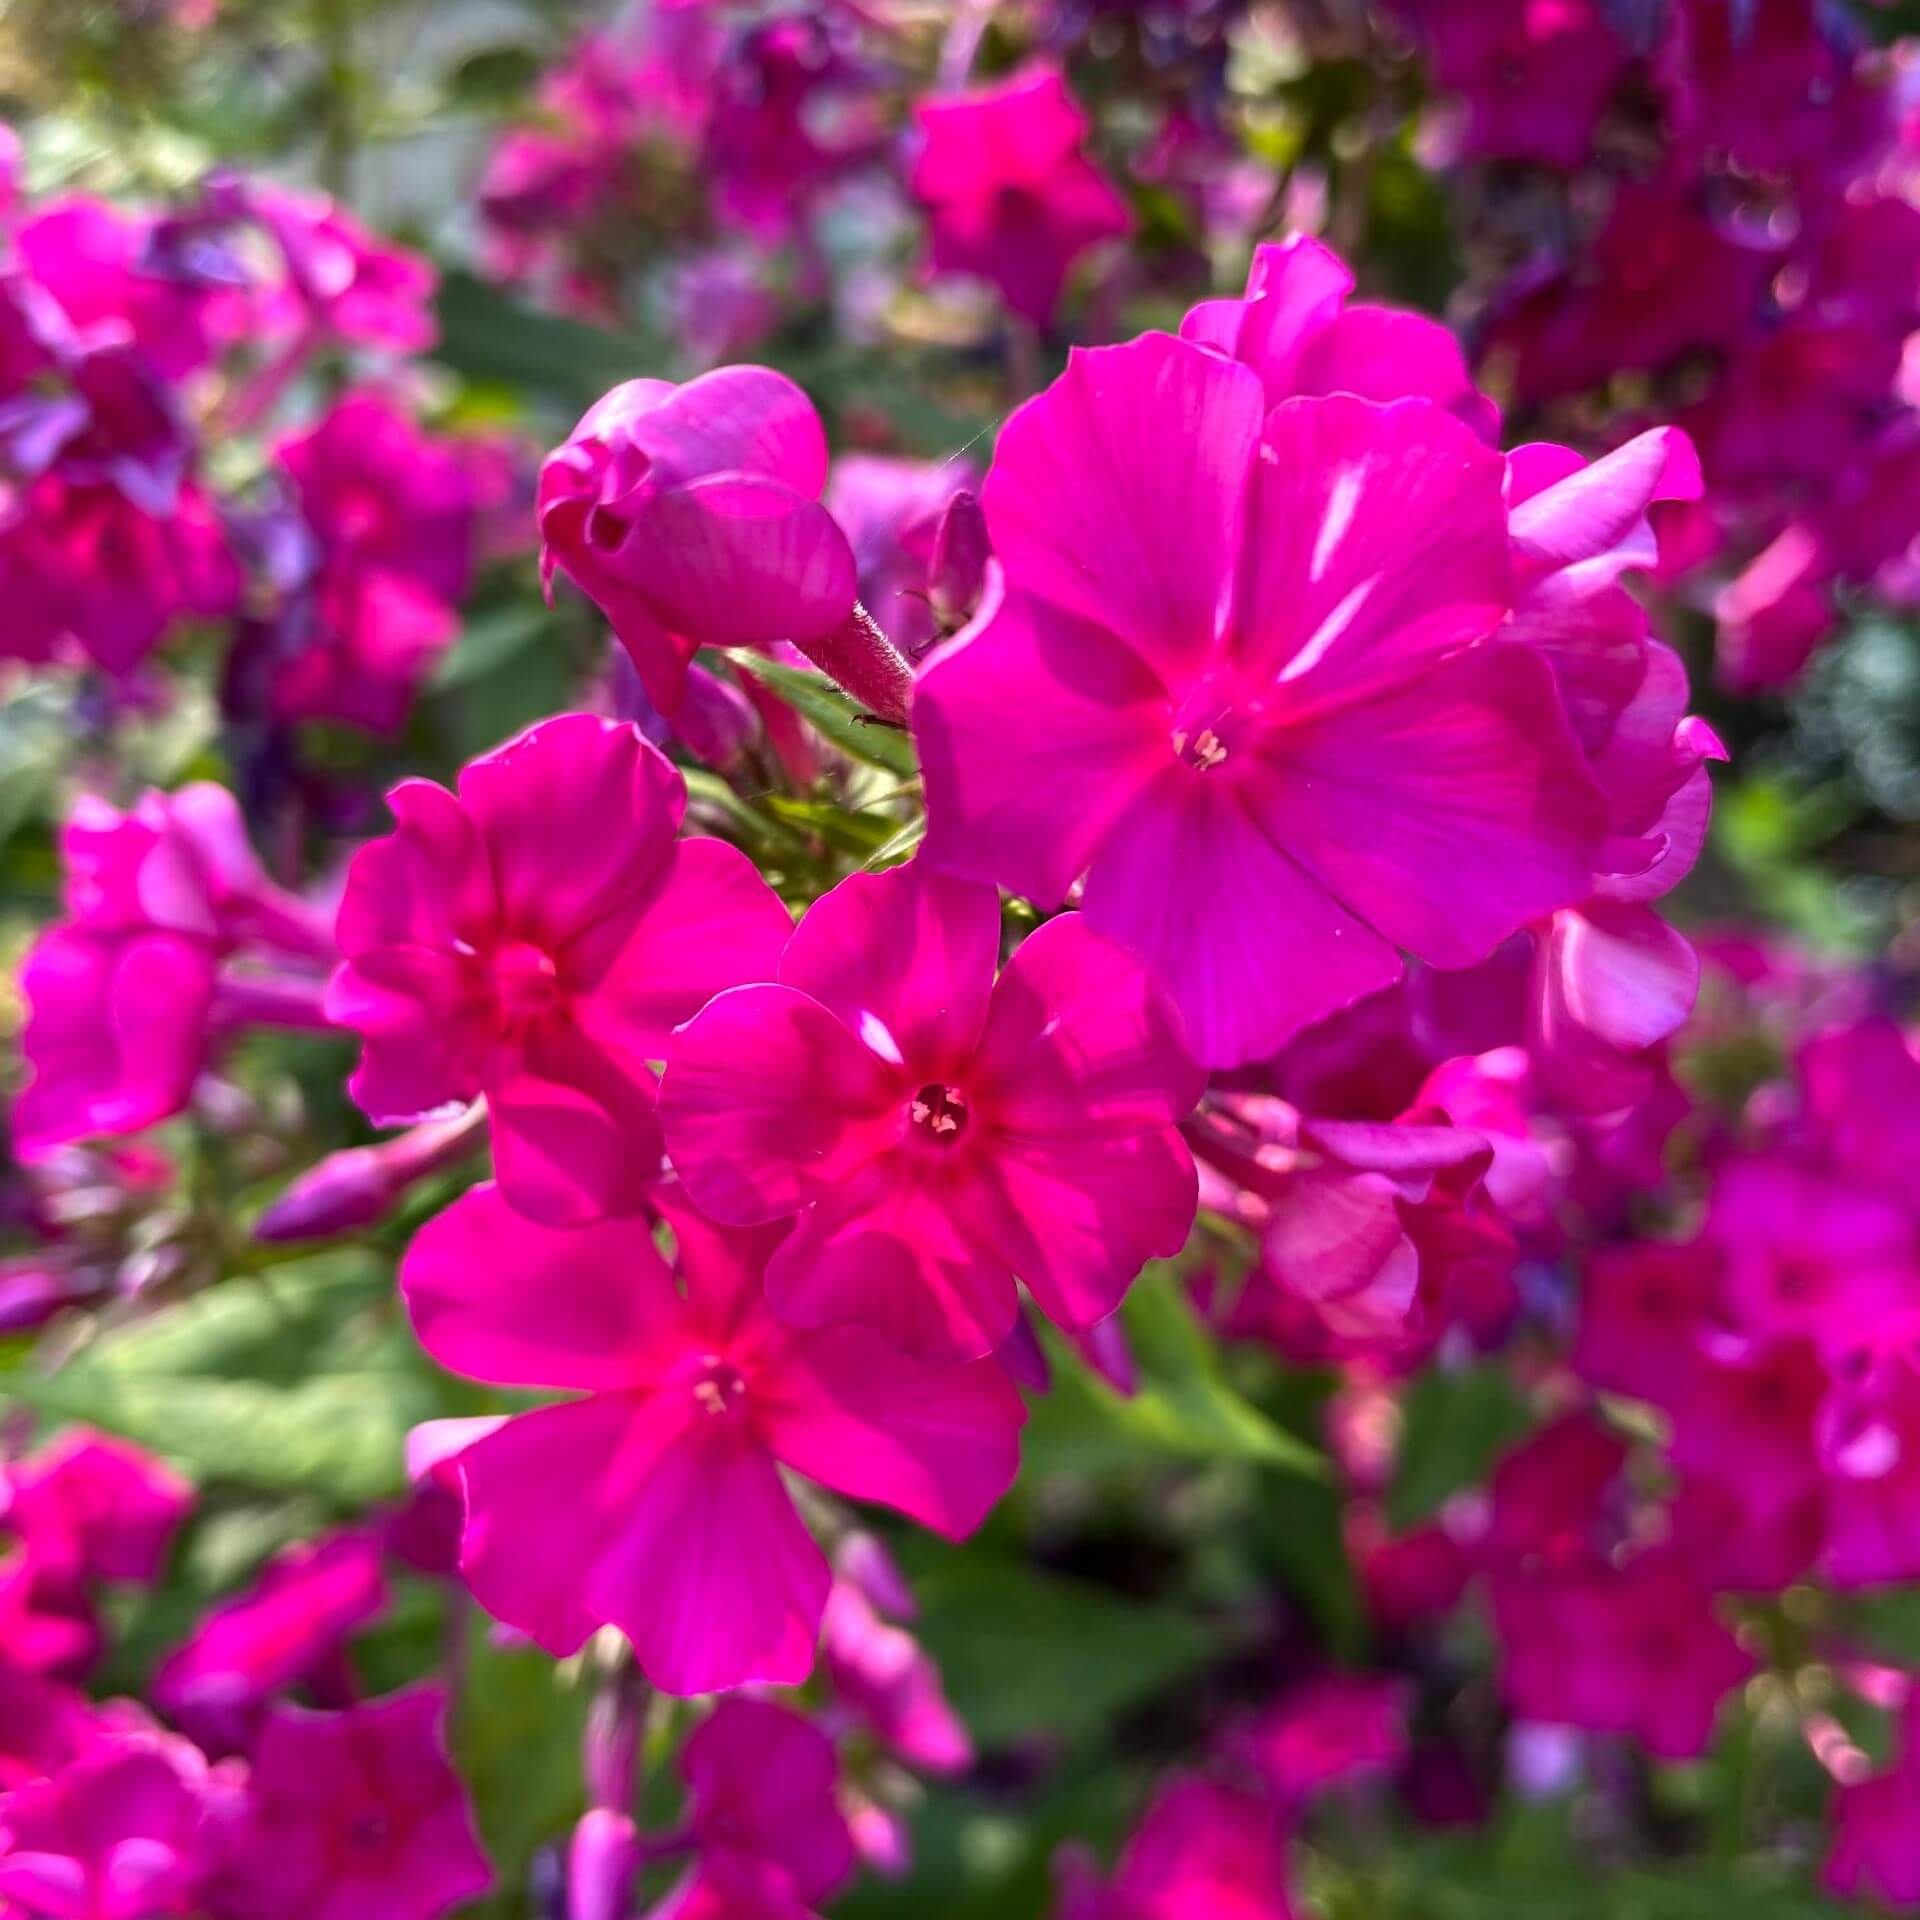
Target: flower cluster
x=998 y=1083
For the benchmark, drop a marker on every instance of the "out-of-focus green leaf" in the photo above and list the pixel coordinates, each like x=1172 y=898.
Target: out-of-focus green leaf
x=492 y=641
x=488 y=336
x=36 y=747
x=516 y=1740
x=308 y=1384
x=1029 y=1653
x=839 y=719
x=1185 y=1406
x=1456 y=1424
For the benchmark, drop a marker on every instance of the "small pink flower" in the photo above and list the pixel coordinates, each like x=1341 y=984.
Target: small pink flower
x=82 y=566
x=677 y=1528
x=125 y=994
x=94 y=1506
x=1876 y=1829
x=883 y=1675
x=691 y=516
x=762 y=1781
x=128 y=1830
x=290 y=1627
x=1203 y=1852
x=338 y=280
x=535 y=939
x=358 y=1813
x=939 y=1134
x=1010 y=193
x=1635 y=1649
x=1328 y=1731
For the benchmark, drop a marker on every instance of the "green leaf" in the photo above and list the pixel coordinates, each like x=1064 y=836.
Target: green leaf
x=516 y=1740
x=488 y=336
x=1024 y=1652
x=307 y=1385
x=1456 y=1424
x=1185 y=1406
x=490 y=641
x=840 y=719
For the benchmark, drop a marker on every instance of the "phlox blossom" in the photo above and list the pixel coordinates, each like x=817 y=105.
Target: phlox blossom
x=939 y=1133
x=1240 y=680
x=676 y=1526
x=535 y=937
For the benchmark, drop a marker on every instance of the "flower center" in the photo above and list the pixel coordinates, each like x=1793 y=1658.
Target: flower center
x=1210 y=723
x=939 y=1112
x=719 y=1387
x=526 y=983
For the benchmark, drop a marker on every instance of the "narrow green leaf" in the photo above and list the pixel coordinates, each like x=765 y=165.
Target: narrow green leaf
x=841 y=720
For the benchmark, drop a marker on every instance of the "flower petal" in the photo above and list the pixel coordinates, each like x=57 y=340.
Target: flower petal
x=1247 y=946
x=770 y=1101
x=938 y=1443
x=1035 y=734
x=1376 y=540
x=1447 y=813
x=1117 y=493
x=905 y=959
x=498 y=1298
x=892 y=1249
x=576 y=1130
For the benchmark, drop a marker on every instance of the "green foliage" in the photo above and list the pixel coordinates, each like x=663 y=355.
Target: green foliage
x=302 y=1380
x=1185 y=1408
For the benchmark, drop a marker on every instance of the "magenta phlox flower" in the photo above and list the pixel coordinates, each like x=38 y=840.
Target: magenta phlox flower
x=535 y=937
x=678 y=1528
x=1239 y=679
x=937 y=1132
x=356 y=1815
x=1011 y=195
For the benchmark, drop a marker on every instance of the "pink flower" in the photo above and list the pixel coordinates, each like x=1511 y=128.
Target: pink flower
x=126 y=993
x=1875 y=1852
x=764 y=1814
x=91 y=258
x=1203 y=1852
x=1295 y=327
x=94 y=1507
x=339 y=280
x=390 y=511
x=1635 y=1650
x=82 y=566
x=691 y=516
x=358 y=1816
x=892 y=511
x=787 y=112
x=1808 y=1253
x=1235 y=676
x=1642 y=1310
x=1771 y=83
x=1327 y=1731
x=535 y=938
x=1534 y=75
x=677 y=1528
x=925 y=1122
x=882 y=1674
x=126 y=1831
x=290 y=1627
x=377 y=491
x=1010 y=193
